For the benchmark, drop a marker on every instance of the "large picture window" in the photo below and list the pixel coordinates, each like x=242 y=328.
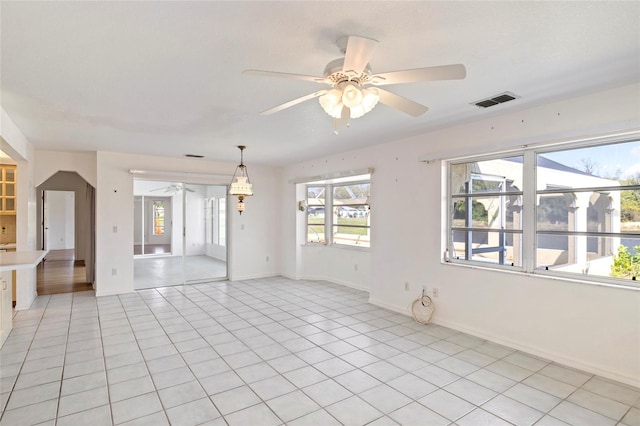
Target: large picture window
x=339 y=213
x=567 y=212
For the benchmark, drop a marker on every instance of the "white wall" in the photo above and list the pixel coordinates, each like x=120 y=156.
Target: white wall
x=51 y=162
x=254 y=237
x=586 y=326
x=343 y=265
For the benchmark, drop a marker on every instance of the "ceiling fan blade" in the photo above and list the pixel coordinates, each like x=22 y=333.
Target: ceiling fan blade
x=443 y=72
x=261 y=73
x=358 y=53
x=401 y=103
x=293 y=102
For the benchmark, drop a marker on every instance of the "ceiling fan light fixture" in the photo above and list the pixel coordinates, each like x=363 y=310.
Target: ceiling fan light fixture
x=351 y=95
x=347 y=98
x=331 y=103
x=370 y=98
x=356 y=111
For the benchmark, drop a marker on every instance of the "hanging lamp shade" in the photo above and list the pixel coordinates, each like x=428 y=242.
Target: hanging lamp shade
x=240 y=185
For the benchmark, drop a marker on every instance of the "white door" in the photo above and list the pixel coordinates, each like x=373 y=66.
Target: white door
x=59 y=220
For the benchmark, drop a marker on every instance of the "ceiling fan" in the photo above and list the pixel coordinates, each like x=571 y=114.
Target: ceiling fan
x=350 y=79
x=172 y=188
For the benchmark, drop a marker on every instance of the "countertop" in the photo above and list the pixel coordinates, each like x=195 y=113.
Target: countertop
x=13 y=260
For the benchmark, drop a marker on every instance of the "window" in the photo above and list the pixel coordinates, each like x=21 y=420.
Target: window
x=486 y=199
x=158 y=217
x=560 y=211
x=351 y=221
x=316 y=214
x=341 y=218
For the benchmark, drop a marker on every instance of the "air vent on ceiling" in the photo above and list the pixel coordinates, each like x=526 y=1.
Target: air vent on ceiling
x=495 y=100
x=194 y=156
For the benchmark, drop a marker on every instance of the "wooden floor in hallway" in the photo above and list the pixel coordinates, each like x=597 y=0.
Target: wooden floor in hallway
x=59 y=274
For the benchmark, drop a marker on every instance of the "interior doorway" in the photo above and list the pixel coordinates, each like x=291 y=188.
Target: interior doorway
x=66 y=212
x=179 y=233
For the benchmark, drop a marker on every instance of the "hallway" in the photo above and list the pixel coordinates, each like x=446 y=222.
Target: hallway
x=59 y=274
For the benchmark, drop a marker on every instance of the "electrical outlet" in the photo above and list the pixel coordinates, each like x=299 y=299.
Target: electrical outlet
x=115 y=229
x=267 y=258
x=435 y=292
x=355 y=267
x=406 y=286
x=114 y=271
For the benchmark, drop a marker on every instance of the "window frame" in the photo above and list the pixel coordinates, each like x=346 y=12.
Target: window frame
x=451 y=197
x=329 y=206
x=529 y=222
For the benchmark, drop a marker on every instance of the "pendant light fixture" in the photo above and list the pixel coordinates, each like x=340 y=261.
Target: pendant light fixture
x=240 y=185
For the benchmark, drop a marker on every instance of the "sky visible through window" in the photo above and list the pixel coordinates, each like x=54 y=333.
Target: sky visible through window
x=620 y=160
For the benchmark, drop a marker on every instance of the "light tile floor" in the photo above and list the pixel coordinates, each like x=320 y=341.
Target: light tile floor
x=161 y=271
x=276 y=351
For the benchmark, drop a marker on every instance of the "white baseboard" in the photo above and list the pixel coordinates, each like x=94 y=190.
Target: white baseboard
x=521 y=346
x=113 y=293
x=390 y=307
x=253 y=277
x=334 y=281
x=291 y=277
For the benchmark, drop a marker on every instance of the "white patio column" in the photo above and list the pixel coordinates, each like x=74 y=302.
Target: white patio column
x=578 y=223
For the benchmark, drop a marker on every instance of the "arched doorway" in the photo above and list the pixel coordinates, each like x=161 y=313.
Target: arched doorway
x=70 y=265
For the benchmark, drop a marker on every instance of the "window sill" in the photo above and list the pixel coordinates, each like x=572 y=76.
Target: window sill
x=337 y=246
x=544 y=274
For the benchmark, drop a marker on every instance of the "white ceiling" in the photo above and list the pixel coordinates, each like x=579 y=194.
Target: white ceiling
x=165 y=78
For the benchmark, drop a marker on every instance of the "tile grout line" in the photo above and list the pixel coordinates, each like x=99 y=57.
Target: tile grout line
x=24 y=360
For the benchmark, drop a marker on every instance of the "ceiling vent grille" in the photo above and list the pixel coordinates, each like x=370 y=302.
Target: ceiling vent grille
x=495 y=100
